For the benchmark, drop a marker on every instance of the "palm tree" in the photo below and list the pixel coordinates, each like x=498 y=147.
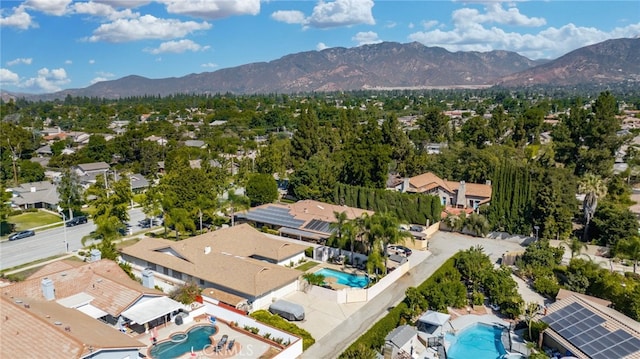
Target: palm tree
x=362 y=230
x=630 y=249
x=386 y=229
x=575 y=245
x=337 y=229
x=594 y=188
x=235 y=203
x=350 y=232
x=202 y=204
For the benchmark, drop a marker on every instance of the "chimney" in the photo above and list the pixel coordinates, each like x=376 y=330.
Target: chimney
x=147 y=278
x=96 y=255
x=32 y=189
x=207 y=250
x=48 y=291
x=488 y=182
x=405 y=185
x=461 y=198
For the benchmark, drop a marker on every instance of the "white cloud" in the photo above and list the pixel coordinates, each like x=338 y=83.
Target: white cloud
x=472 y=33
x=47 y=80
x=209 y=65
x=212 y=9
x=97 y=79
x=19 y=19
x=68 y=62
x=390 y=24
x=321 y=46
x=496 y=14
x=177 y=47
x=51 y=7
x=331 y=14
x=428 y=24
x=289 y=16
x=92 y=61
x=8 y=77
x=21 y=60
x=127 y=4
x=364 y=38
x=145 y=27
x=103 y=10
x=548 y=43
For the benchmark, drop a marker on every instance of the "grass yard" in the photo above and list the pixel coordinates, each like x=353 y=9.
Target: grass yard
x=306 y=266
x=33 y=219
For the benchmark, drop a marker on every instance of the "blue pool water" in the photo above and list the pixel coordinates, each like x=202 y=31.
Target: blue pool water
x=197 y=338
x=352 y=280
x=478 y=341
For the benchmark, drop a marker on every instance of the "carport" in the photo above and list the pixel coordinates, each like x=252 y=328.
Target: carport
x=152 y=312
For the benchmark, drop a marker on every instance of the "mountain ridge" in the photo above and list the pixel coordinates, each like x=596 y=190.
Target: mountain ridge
x=386 y=65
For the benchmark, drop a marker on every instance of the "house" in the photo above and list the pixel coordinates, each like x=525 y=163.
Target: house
x=435 y=148
x=41 y=194
x=451 y=193
x=587 y=329
x=238 y=261
x=400 y=343
x=44 y=151
x=159 y=140
x=138 y=182
x=70 y=309
x=195 y=143
x=87 y=172
x=304 y=220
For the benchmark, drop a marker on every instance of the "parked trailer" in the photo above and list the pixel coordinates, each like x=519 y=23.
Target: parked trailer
x=287 y=310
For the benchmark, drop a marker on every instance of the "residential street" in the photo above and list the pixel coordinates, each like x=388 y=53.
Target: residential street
x=52 y=242
x=443 y=245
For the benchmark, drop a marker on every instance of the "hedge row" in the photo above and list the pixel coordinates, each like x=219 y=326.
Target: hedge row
x=280 y=323
x=374 y=337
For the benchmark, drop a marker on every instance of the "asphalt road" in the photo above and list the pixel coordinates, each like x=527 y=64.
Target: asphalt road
x=52 y=242
x=443 y=245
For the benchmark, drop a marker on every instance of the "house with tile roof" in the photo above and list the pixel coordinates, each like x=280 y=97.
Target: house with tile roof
x=306 y=220
x=239 y=261
x=454 y=194
x=79 y=310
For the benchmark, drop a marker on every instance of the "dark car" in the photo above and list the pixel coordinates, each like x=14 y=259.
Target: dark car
x=406 y=250
x=22 y=234
x=76 y=221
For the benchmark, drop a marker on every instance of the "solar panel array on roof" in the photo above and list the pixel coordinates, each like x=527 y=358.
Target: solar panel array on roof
x=272 y=215
x=583 y=328
x=319 y=226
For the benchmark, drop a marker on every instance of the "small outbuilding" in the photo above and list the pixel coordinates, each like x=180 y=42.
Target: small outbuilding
x=430 y=321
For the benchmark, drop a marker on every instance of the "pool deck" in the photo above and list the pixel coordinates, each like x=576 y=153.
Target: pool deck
x=245 y=345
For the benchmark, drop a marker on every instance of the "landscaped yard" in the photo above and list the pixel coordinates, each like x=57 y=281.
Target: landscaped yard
x=306 y=266
x=33 y=219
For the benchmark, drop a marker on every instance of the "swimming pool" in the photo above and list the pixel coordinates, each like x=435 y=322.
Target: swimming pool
x=196 y=338
x=478 y=341
x=351 y=280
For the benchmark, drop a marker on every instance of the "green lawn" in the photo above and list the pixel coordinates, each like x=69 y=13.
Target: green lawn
x=306 y=266
x=33 y=219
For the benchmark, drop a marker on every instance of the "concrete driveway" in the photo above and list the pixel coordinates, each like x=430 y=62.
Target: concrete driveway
x=336 y=326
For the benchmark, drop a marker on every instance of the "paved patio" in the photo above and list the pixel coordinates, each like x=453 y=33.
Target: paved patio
x=245 y=345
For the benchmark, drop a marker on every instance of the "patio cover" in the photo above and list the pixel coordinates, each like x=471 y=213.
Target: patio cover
x=151 y=309
x=92 y=311
x=434 y=318
x=303 y=233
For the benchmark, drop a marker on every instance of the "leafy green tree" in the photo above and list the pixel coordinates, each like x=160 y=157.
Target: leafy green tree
x=477 y=224
x=474 y=265
x=235 y=203
x=97 y=149
x=152 y=203
x=475 y=132
x=30 y=171
x=5 y=209
x=306 y=140
x=434 y=125
x=16 y=142
x=315 y=179
x=261 y=188
x=366 y=158
x=181 y=220
x=111 y=202
x=612 y=223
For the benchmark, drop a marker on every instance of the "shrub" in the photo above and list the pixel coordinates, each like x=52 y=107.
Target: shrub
x=309 y=252
x=281 y=323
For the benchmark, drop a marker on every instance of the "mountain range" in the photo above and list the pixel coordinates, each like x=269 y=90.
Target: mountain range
x=388 y=65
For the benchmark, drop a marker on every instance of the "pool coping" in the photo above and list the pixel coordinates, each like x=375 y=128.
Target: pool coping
x=182 y=332
x=465 y=321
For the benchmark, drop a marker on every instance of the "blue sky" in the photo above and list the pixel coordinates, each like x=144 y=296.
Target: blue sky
x=50 y=45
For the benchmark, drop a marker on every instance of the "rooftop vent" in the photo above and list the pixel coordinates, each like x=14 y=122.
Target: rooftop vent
x=207 y=250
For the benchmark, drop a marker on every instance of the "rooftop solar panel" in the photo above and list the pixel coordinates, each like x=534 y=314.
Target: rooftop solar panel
x=319 y=226
x=583 y=328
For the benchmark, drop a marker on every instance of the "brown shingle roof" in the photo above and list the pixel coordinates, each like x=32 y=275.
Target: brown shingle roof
x=39 y=329
x=310 y=209
x=222 y=257
x=472 y=189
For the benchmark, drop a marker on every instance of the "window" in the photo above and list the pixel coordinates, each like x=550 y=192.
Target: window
x=165 y=270
x=175 y=274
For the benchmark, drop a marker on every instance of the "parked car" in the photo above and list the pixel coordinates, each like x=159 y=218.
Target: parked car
x=399 y=250
x=416 y=228
x=407 y=251
x=76 y=221
x=21 y=234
